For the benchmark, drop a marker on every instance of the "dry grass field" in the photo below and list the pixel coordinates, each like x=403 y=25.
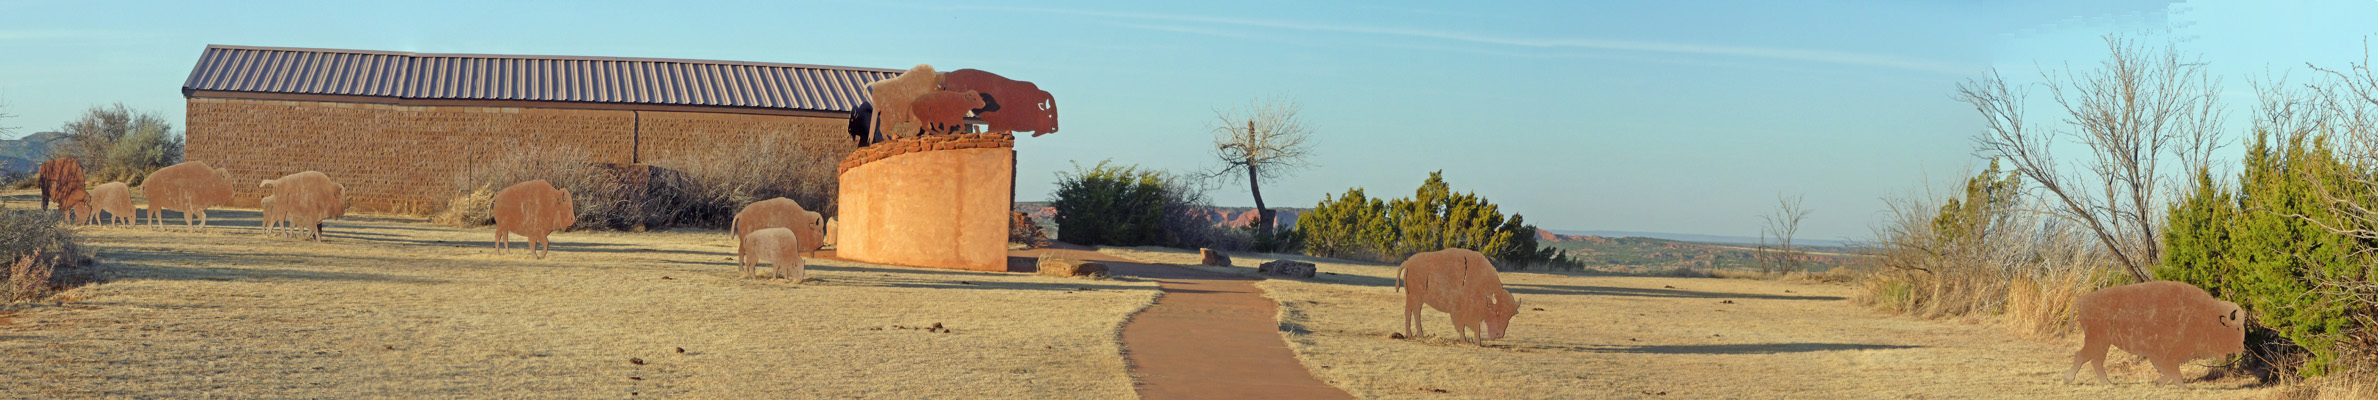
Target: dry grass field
x=1583 y=336
x=391 y=307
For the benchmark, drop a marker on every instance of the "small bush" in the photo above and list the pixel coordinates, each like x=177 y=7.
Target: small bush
x=38 y=255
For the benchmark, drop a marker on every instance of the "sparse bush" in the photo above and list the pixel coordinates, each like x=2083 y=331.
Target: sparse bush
x=38 y=255
x=119 y=144
x=1981 y=254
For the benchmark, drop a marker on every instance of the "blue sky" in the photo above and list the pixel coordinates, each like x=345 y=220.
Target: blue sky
x=1686 y=116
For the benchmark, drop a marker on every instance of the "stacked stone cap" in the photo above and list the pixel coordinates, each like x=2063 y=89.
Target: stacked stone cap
x=884 y=150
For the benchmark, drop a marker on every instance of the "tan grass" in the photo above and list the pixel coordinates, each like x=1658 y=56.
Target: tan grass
x=394 y=307
x=1631 y=336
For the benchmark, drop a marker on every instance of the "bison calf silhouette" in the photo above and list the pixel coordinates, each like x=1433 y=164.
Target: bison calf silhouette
x=61 y=179
x=1459 y=282
x=2163 y=321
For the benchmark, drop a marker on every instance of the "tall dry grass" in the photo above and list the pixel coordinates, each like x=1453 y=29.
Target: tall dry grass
x=707 y=188
x=702 y=189
x=601 y=198
x=2021 y=267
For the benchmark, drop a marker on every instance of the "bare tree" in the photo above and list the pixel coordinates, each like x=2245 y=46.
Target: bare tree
x=1263 y=141
x=2131 y=112
x=1781 y=225
x=4 y=115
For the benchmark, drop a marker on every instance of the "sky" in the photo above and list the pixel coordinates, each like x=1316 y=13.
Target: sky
x=1678 y=116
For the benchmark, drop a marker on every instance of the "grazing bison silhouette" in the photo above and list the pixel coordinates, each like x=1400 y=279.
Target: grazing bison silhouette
x=1459 y=282
x=780 y=213
x=2166 y=322
x=779 y=247
x=304 y=200
x=60 y=179
x=533 y=209
x=189 y=187
x=1011 y=105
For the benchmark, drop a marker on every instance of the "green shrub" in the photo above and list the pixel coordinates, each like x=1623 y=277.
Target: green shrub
x=1110 y=205
x=2265 y=248
x=1353 y=226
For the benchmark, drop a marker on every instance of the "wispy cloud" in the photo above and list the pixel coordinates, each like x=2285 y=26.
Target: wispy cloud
x=1788 y=54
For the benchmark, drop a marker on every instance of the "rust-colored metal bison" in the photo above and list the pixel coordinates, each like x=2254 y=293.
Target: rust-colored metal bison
x=60 y=179
x=895 y=115
x=533 y=209
x=2166 y=322
x=941 y=110
x=778 y=246
x=1459 y=282
x=189 y=188
x=304 y=200
x=116 y=199
x=1015 y=106
x=781 y=213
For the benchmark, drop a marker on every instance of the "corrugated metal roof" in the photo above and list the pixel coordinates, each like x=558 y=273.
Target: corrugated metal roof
x=414 y=76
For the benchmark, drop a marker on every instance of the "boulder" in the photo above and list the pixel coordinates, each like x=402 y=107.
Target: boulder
x=1289 y=268
x=1067 y=267
x=1214 y=258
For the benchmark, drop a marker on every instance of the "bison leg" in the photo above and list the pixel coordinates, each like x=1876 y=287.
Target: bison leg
x=749 y=264
x=502 y=239
x=2093 y=350
x=1412 y=328
x=2170 y=370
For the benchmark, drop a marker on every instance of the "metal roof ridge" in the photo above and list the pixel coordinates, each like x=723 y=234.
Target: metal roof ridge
x=553 y=57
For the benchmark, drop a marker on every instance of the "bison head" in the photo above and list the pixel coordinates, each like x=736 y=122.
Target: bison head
x=1499 y=313
x=813 y=232
x=2228 y=335
x=565 y=211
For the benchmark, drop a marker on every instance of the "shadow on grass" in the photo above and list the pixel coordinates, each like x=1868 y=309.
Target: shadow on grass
x=1747 y=348
x=1636 y=292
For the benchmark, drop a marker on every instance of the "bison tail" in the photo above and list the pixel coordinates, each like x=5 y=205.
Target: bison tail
x=1399 y=279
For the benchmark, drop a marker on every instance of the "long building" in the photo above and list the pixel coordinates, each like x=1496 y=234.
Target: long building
x=397 y=127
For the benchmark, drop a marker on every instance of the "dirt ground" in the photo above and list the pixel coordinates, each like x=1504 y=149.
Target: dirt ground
x=395 y=307
x=1603 y=336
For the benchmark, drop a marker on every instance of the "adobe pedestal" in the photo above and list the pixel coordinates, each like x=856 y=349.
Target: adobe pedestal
x=937 y=202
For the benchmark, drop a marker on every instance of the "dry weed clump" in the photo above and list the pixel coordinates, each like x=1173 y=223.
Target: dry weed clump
x=39 y=254
x=594 y=189
x=706 y=188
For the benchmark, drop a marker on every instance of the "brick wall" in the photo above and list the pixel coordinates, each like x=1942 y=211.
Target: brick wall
x=404 y=158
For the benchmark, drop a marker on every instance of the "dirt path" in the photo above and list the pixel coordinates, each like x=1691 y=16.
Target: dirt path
x=1211 y=336
x=1615 y=336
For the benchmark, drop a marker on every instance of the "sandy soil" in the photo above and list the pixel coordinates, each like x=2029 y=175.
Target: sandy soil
x=394 y=307
x=1607 y=336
